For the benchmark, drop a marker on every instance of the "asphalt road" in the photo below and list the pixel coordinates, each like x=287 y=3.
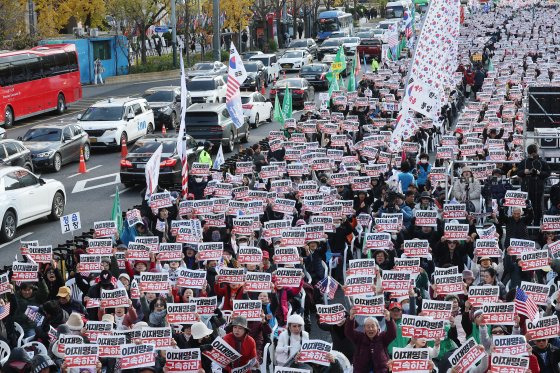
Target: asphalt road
x=91 y=193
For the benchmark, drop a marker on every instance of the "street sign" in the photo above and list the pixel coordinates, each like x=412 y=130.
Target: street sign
x=70 y=223
x=161 y=29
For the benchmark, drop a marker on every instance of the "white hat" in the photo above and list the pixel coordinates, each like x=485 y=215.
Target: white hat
x=75 y=322
x=199 y=330
x=295 y=319
x=140 y=325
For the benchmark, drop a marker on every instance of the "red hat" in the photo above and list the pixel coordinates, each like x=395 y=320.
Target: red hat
x=395 y=305
x=266 y=255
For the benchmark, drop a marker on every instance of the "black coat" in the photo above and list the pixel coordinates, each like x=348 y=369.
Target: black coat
x=552 y=358
x=532 y=183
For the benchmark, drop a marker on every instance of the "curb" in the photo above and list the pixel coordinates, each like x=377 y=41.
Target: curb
x=143 y=77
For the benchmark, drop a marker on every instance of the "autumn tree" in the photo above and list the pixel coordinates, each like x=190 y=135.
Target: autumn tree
x=12 y=22
x=53 y=15
x=139 y=15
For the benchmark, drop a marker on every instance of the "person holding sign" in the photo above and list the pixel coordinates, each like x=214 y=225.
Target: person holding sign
x=241 y=341
x=467 y=189
x=289 y=342
x=371 y=344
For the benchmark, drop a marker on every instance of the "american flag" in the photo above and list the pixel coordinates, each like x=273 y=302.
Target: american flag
x=393 y=36
x=328 y=284
x=525 y=305
x=4 y=311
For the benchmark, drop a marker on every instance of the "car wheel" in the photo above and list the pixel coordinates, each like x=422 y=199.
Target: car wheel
x=57 y=208
x=246 y=137
x=150 y=128
x=271 y=115
x=57 y=162
x=230 y=144
x=29 y=167
x=87 y=152
x=256 y=124
x=60 y=104
x=173 y=120
x=9 y=225
x=8 y=117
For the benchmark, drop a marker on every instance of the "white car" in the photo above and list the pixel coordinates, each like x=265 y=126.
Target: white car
x=26 y=198
x=110 y=122
x=256 y=108
x=351 y=43
x=295 y=59
x=207 y=89
x=270 y=63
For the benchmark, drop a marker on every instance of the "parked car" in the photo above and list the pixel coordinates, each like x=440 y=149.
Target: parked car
x=315 y=74
x=166 y=105
x=295 y=59
x=370 y=48
x=255 y=75
x=301 y=90
x=350 y=44
x=55 y=145
x=25 y=198
x=329 y=46
x=14 y=153
x=308 y=44
x=111 y=122
x=212 y=122
x=256 y=108
x=245 y=56
x=270 y=62
x=207 y=89
x=368 y=34
x=132 y=170
x=207 y=69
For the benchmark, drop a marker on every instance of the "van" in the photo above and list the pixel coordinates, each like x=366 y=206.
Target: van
x=396 y=9
x=270 y=62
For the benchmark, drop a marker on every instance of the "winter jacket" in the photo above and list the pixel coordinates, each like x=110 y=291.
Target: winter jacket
x=548 y=358
x=338 y=339
x=406 y=178
x=39 y=297
x=288 y=346
x=422 y=173
x=246 y=347
x=368 y=352
x=225 y=292
x=460 y=192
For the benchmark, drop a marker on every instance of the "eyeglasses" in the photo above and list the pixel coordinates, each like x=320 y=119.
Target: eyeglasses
x=160 y=305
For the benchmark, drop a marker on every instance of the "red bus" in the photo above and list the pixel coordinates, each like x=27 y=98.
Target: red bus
x=38 y=80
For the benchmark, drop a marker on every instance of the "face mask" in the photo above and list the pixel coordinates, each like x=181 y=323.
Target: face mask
x=393 y=236
x=458 y=135
x=423 y=161
x=405 y=308
x=198 y=179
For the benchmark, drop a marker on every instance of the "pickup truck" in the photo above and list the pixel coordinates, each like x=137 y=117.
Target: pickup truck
x=370 y=48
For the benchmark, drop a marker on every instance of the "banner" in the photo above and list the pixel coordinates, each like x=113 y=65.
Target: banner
x=331 y=314
x=137 y=356
x=183 y=360
x=466 y=356
x=181 y=313
x=315 y=351
x=411 y=360
x=250 y=309
x=221 y=353
x=81 y=355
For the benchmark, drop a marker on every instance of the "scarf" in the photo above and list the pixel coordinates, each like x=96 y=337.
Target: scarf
x=157 y=318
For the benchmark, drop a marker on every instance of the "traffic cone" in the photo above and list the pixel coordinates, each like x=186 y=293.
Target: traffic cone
x=163 y=129
x=124 y=150
x=263 y=91
x=82 y=169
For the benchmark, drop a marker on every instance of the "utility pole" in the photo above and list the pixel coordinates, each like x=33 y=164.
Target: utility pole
x=216 y=27
x=174 y=33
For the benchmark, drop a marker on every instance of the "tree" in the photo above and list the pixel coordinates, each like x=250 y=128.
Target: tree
x=53 y=15
x=237 y=14
x=139 y=15
x=12 y=21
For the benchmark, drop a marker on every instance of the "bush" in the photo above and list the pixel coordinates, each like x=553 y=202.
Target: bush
x=154 y=64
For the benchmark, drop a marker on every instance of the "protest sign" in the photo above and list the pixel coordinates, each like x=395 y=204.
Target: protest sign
x=510 y=344
x=437 y=309
x=479 y=295
x=194 y=279
x=205 y=306
x=210 y=251
x=40 y=254
x=456 y=231
x=67 y=339
x=110 y=345
x=487 y=248
x=106 y=228
x=137 y=356
x=370 y=306
x=544 y=327
x=287 y=277
x=221 y=353
x=250 y=309
x=502 y=363
x=537 y=292
x=231 y=275
x=249 y=255
x=258 y=282
x=422 y=327
x=181 y=313
x=518 y=246
x=161 y=338
x=365 y=267
x=315 y=351
x=425 y=218
x=25 y=272
x=153 y=282
x=449 y=284
x=514 y=198
x=416 y=248
x=100 y=246
x=94 y=329
x=534 y=260
x=170 y=252
x=466 y=356
x=331 y=314
x=81 y=355
x=183 y=360
x=114 y=298
x=498 y=314
x=359 y=285
x=395 y=281
x=411 y=360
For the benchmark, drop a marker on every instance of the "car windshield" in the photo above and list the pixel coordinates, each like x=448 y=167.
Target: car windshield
x=394 y=12
x=294 y=54
x=351 y=40
x=264 y=60
x=251 y=67
x=291 y=83
x=311 y=69
x=298 y=44
x=370 y=42
x=200 y=85
x=203 y=66
x=159 y=96
x=385 y=26
x=379 y=31
x=150 y=146
x=43 y=134
x=245 y=99
x=331 y=43
x=109 y=113
x=364 y=34
x=329 y=24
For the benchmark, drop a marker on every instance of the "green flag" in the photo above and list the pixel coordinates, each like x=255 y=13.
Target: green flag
x=287 y=103
x=339 y=63
x=278 y=114
x=116 y=213
x=333 y=86
x=352 y=79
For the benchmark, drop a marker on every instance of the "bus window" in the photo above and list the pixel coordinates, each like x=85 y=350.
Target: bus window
x=48 y=65
x=19 y=72
x=61 y=62
x=394 y=12
x=326 y=25
x=5 y=75
x=34 y=69
x=72 y=61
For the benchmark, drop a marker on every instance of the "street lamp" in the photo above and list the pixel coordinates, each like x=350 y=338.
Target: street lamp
x=174 y=33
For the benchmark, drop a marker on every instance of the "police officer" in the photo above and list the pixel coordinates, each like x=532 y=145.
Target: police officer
x=204 y=156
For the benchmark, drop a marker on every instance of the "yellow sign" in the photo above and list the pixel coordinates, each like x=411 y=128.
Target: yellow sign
x=477 y=57
x=336 y=66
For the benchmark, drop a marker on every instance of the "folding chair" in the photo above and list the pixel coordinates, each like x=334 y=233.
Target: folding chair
x=19 y=329
x=4 y=352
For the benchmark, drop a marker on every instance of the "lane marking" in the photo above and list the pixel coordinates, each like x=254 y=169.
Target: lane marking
x=88 y=170
x=16 y=239
x=81 y=185
x=122 y=191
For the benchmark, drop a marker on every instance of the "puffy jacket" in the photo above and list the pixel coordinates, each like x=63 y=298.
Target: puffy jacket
x=423 y=171
x=39 y=297
x=248 y=350
x=368 y=352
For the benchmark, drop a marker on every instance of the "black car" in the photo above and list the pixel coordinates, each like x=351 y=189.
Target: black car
x=56 y=144
x=308 y=44
x=166 y=105
x=329 y=46
x=255 y=75
x=301 y=90
x=14 y=153
x=316 y=74
x=133 y=166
